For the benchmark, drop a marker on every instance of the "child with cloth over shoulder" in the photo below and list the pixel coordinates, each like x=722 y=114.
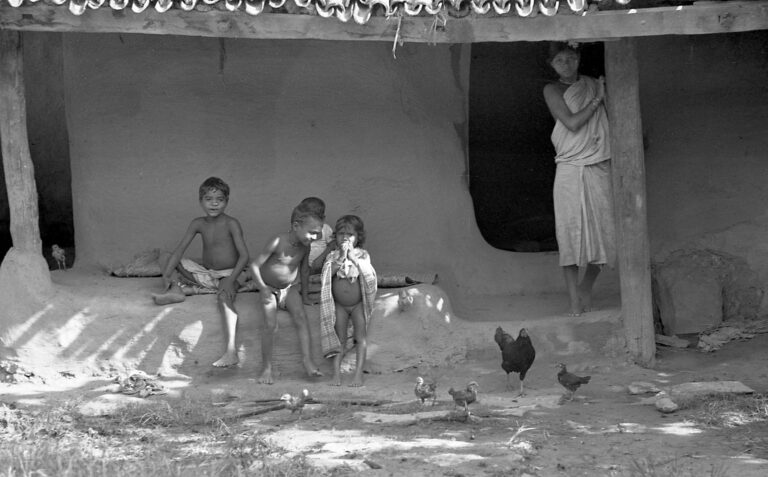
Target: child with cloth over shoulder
x=224 y=257
x=347 y=297
x=274 y=272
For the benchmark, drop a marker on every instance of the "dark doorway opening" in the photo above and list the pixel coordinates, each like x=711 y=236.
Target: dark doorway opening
x=511 y=158
x=48 y=145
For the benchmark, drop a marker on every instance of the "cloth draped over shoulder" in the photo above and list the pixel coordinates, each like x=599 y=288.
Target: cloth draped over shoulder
x=366 y=277
x=591 y=143
x=583 y=192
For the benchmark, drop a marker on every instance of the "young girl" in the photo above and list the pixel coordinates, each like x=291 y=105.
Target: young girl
x=347 y=296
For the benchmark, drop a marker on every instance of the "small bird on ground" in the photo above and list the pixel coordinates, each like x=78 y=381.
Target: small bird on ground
x=60 y=256
x=425 y=391
x=517 y=355
x=570 y=381
x=464 y=397
x=295 y=403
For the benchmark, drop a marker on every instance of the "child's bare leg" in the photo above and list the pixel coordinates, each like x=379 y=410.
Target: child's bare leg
x=571 y=273
x=358 y=322
x=336 y=380
x=585 y=288
x=173 y=295
x=228 y=314
x=269 y=306
x=295 y=307
x=341 y=331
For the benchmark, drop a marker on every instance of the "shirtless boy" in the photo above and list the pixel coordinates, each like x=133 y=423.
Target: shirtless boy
x=224 y=258
x=274 y=272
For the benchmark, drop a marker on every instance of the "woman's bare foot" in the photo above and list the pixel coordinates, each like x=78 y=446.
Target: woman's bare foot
x=173 y=295
x=357 y=381
x=312 y=370
x=336 y=381
x=266 y=376
x=228 y=359
x=586 y=301
x=575 y=308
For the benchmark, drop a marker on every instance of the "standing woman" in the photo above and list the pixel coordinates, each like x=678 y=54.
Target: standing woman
x=582 y=193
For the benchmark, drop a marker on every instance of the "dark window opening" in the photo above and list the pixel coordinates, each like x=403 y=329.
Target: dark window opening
x=511 y=158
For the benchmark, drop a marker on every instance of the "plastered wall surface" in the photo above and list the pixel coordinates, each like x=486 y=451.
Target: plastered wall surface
x=151 y=117
x=704 y=102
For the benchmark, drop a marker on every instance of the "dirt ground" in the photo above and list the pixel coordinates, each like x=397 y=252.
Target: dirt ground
x=603 y=431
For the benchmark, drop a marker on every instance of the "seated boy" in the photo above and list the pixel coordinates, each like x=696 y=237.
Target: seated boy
x=224 y=258
x=274 y=272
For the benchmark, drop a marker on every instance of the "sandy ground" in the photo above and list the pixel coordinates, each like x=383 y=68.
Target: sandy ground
x=603 y=431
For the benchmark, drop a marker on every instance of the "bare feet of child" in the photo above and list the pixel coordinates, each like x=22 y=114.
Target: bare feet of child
x=228 y=359
x=357 y=382
x=173 y=295
x=266 y=376
x=312 y=370
x=336 y=381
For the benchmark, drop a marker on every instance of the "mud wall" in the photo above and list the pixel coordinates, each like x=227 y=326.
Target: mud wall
x=704 y=102
x=151 y=117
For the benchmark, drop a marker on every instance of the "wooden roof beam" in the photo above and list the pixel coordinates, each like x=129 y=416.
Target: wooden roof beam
x=719 y=17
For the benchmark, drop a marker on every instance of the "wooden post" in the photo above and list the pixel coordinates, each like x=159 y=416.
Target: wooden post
x=628 y=166
x=17 y=162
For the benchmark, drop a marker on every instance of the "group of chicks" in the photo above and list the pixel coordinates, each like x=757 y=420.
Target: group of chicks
x=517 y=356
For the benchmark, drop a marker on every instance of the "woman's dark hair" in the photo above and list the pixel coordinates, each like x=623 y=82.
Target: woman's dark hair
x=556 y=47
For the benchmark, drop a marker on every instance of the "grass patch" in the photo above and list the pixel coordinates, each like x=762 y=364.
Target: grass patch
x=727 y=410
x=162 y=438
x=674 y=467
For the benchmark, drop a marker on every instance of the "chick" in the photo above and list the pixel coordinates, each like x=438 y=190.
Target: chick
x=464 y=397
x=570 y=381
x=425 y=391
x=60 y=256
x=295 y=403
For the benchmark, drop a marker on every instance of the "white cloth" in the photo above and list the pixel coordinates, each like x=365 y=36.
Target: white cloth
x=583 y=192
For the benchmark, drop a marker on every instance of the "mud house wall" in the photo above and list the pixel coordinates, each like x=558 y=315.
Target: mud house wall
x=151 y=117
x=704 y=102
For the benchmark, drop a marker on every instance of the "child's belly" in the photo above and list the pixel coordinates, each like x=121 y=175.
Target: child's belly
x=346 y=293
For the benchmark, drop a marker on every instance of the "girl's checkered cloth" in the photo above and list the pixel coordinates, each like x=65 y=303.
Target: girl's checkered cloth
x=367 y=279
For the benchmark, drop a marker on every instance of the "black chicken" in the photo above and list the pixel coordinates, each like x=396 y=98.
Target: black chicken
x=425 y=391
x=517 y=355
x=570 y=381
x=464 y=397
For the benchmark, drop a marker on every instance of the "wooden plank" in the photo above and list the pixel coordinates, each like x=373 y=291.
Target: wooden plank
x=17 y=162
x=717 y=17
x=627 y=159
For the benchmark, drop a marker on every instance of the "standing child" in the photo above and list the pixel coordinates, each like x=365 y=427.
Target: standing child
x=347 y=296
x=274 y=272
x=318 y=250
x=224 y=257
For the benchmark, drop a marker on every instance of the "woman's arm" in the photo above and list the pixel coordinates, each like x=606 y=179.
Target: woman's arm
x=560 y=111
